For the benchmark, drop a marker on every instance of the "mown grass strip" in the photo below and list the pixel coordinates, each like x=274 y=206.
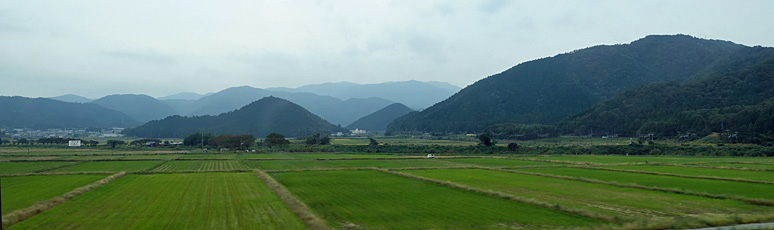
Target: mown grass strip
x=299 y=208
x=31 y=167
x=153 y=201
x=725 y=174
x=503 y=195
x=110 y=166
x=726 y=167
x=23 y=191
x=23 y=214
x=580 y=176
x=630 y=204
x=373 y=199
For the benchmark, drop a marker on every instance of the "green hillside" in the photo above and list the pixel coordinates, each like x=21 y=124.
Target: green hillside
x=735 y=102
x=547 y=90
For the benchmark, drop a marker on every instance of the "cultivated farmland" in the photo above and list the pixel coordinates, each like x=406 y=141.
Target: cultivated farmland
x=718 y=187
x=600 y=199
x=172 y=201
x=382 y=201
x=109 y=166
x=22 y=191
x=30 y=167
x=179 y=190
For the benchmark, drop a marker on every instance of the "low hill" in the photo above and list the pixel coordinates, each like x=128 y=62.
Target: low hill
x=72 y=98
x=43 y=113
x=264 y=116
x=735 y=101
x=547 y=90
x=140 y=107
x=379 y=120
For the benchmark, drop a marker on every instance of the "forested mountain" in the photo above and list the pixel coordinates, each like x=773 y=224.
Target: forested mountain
x=267 y=115
x=43 y=113
x=142 y=108
x=545 y=91
x=72 y=98
x=414 y=94
x=379 y=120
x=737 y=99
x=329 y=108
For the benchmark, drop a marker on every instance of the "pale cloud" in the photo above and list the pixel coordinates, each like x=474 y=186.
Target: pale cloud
x=95 y=48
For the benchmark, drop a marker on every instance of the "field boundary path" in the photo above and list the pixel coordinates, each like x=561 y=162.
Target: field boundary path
x=23 y=214
x=741 y=226
x=303 y=211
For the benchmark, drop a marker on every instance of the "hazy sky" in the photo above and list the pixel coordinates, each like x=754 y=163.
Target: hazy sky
x=155 y=47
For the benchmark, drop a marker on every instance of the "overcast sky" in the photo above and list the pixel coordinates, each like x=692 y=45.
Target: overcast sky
x=96 y=48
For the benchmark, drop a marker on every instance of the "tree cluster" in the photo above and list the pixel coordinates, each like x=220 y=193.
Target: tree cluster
x=317 y=140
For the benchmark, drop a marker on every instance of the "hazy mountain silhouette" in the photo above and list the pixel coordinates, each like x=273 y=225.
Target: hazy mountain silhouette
x=140 y=107
x=259 y=118
x=72 y=98
x=44 y=113
x=379 y=120
x=414 y=94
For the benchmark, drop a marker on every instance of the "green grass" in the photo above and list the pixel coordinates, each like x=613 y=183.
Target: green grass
x=172 y=201
x=708 y=172
x=376 y=200
x=313 y=156
x=750 y=166
x=750 y=190
x=201 y=166
x=604 y=200
x=498 y=162
x=87 y=158
x=609 y=159
x=220 y=165
x=171 y=166
x=150 y=157
x=323 y=164
x=209 y=156
x=30 y=167
x=110 y=166
x=24 y=191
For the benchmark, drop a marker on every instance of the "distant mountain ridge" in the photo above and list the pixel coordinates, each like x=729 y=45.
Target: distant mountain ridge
x=414 y=94
x=547 y=90
x=184 y=96
x=44 y=113
x=141 y=107
x=259 y=118
x=72 y=98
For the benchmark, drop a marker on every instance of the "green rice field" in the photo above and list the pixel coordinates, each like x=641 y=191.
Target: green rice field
x=110 y=166
x=731 y=188
x=173 y=189
x=605 y=200
x=327 y=164
x=23 y=191
x=30 y=167
x=499 y=162
x=609 y=159
x=377 y=200
x=172 y=201
x=702 y=172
